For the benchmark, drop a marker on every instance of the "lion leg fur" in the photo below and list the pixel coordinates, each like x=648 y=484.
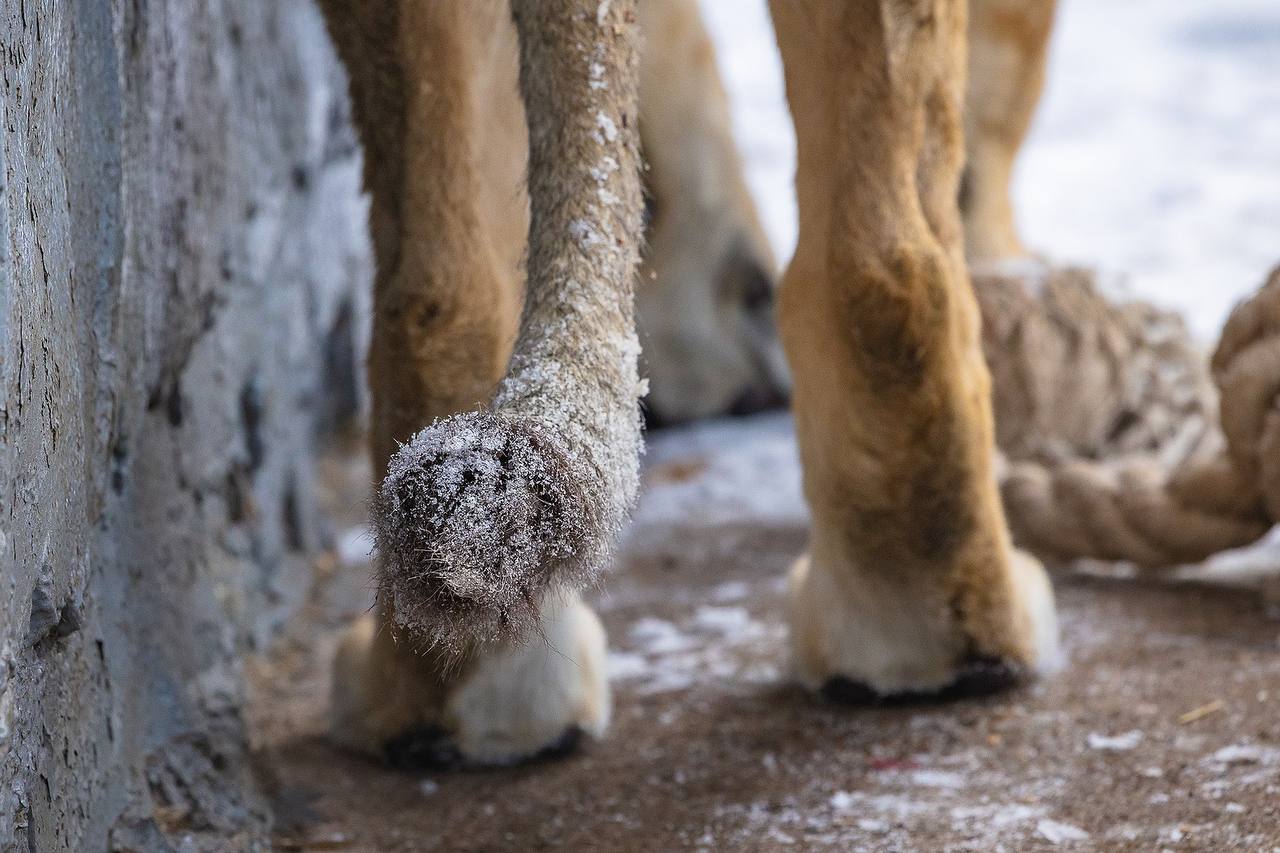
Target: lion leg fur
x=911 y=584
x=1008 y=41
x=705 y=302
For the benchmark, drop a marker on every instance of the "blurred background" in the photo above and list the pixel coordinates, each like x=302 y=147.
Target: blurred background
x=1154 y=154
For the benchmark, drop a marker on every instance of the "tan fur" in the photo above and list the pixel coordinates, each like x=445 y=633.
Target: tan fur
x=482 y=512
x=1007 y=51
x=434 y=94
x=498 y=708
x=437 y=102
x=892 y=397
x=705 y=301
x=435 y=99
x=910 y=576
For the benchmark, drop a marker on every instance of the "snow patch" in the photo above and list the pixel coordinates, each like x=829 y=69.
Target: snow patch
x=725 y=620
x=1115 y=743
x=937 y=779
x=1244 y=753
x=1056 y=832
x=744 y=471
x=585 y=234
x=627 y=665
x=887 y=804
x=608 y=130
x=731 y=591
x=601 y=173
x=355 y=546
x=658 y=636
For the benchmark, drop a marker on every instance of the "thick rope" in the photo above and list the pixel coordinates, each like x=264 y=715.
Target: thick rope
x=1195 y=490
x=1078 y=376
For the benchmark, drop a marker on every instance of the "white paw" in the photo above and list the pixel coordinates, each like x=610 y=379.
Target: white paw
x=894 y=638
x=520 y=700
x=514 y=702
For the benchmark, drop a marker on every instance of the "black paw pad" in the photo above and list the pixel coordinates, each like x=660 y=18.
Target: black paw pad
x=562 y=747
x=433 y=748
x=425 y=748
x=978 y=676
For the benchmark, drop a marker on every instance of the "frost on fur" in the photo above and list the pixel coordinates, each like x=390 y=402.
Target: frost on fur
x=477 y=516
x=482 y=514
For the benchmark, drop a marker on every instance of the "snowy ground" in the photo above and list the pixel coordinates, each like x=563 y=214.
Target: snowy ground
x=1160 y=732
x=1155 y=155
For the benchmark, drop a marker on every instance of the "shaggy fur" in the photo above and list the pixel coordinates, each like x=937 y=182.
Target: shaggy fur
x=481 y=513
x=560 y=444
x=477 y=516
x=493 y=515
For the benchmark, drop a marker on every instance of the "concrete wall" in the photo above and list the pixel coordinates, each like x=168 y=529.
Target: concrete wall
x=182 y=274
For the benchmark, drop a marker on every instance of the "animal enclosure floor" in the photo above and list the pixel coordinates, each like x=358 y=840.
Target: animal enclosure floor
x=1162 y=731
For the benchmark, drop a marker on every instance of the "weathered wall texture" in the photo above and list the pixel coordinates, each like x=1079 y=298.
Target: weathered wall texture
x=182 y=265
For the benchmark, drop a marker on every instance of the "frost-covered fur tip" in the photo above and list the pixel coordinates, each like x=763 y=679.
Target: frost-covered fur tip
x=483 y=515
x=478 y=517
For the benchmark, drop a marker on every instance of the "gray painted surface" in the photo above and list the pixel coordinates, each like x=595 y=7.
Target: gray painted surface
x=182 y=254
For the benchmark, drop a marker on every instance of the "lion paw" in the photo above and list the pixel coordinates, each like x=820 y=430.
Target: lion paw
x=511 y=703
x=866 y=640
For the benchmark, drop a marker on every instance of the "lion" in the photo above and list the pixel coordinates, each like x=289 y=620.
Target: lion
x=705 y=301
x=502 y=142
x=1008 y=42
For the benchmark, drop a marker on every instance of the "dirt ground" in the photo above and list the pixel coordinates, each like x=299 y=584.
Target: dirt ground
x=1161 y=731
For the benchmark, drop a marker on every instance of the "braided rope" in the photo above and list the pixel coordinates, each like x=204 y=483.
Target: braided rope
x=1192 y=493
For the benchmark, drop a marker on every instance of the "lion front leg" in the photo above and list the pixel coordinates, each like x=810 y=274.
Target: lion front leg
x=911 y=585
x=506 y=703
